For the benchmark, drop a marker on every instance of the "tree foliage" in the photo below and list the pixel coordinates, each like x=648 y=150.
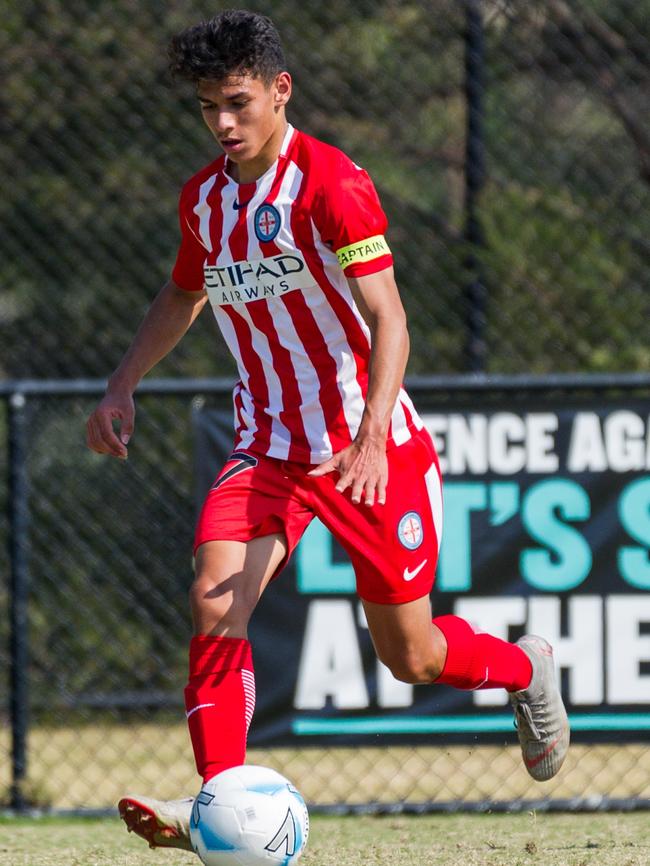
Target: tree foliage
x=97 y=143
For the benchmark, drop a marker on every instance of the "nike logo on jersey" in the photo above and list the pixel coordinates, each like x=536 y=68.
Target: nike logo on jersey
x=238 y=206
x=409 y=575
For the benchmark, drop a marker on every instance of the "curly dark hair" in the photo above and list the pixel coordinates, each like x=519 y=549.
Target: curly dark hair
x=235 y=41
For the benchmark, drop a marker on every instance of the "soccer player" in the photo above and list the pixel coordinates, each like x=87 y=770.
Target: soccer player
x=284 y=236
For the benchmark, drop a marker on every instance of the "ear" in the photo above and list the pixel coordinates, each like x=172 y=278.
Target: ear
x=282 y=89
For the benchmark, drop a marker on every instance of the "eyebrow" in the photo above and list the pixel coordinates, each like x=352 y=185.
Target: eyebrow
x=237 y=95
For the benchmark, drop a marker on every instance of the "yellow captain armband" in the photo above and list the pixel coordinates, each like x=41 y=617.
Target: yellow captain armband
x=363 y=251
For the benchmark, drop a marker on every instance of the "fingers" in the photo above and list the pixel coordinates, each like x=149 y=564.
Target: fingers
x=382 y=484
x=369 y=493
x=376 y=487
x=367 y=478
x=358 y=485
x=100 y=436
x=330 y=465
x=126 y=429
x=367 y=483
x=370 y=488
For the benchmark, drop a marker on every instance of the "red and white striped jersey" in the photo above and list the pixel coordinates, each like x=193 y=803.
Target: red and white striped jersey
x=273 y=256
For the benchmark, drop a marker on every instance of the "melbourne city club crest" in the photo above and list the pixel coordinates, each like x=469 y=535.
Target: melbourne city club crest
x=409 y=530
x=267 y=222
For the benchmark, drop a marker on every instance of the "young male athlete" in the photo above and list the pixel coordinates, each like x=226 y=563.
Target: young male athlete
x=284 y=236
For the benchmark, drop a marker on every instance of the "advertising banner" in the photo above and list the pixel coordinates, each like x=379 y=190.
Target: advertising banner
x=546 y=531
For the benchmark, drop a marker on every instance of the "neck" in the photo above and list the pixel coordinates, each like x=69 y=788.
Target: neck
x=251 y=170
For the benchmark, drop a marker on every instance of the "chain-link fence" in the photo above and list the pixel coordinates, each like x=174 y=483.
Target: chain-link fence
x=509 y=141
x=101 y=567
x=510 y=145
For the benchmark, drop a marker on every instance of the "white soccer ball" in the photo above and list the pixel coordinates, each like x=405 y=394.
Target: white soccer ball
x=249 y=816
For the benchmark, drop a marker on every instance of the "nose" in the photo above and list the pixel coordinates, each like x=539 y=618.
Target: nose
x=225 y=123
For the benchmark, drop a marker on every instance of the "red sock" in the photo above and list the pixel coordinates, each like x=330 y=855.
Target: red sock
x=219 y=699
x=481 y=661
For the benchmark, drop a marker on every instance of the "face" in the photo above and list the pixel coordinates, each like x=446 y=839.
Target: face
x=246 y=117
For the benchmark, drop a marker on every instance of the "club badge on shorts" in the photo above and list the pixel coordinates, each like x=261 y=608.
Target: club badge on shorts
x=267 y=222
x=409 y=530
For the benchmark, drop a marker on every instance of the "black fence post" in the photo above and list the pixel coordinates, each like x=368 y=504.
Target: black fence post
x=475 y=290
x=19 y=592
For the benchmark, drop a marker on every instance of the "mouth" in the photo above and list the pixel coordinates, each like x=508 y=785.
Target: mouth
x=231 y=145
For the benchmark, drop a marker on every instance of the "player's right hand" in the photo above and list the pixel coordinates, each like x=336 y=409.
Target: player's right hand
x=101 y=435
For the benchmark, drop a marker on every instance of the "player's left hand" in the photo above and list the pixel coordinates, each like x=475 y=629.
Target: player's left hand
x=363 y=467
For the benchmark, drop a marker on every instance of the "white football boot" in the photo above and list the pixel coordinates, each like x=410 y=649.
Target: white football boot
x=162 y=823
x=541 y=720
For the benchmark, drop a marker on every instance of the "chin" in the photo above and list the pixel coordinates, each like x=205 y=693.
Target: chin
x=238 y=157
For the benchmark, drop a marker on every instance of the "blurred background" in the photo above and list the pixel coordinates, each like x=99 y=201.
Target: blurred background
x=510 y=145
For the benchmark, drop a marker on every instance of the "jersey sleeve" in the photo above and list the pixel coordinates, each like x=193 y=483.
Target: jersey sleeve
x=187 y=272
x=351 y=221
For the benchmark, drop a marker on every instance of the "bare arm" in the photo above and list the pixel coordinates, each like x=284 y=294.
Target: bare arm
x=166 y=321
x=363 y=465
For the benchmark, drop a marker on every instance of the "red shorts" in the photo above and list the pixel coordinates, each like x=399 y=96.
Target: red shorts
x=393 y=547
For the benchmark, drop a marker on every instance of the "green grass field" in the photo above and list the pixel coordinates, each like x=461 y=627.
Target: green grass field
x=434 y=840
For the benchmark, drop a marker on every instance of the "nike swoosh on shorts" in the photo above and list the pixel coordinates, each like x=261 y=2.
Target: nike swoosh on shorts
x=409 y=575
